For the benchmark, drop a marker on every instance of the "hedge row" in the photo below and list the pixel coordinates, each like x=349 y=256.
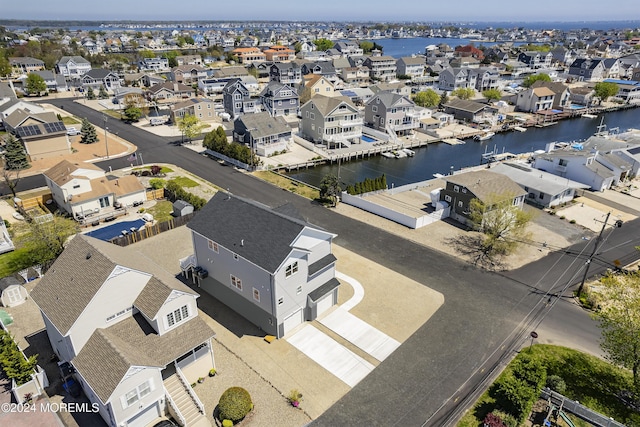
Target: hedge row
x=368 y=185
x=179 y=193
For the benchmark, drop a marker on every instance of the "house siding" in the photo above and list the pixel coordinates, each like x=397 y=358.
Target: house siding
x=157 y=394
x=160 y=322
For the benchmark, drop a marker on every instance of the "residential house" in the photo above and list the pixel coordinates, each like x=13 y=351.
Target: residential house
x=562 y=55
x=451 y=79
x=277 y=53
x=189 y=60
x=535 y=59
x=265 y=134
x=543 y=189
x=120 y=94
x=7 y=93
x=484 y=185
x=156 y=64
x=381 y=67
x=279 y=99
x=486 y=78
x=469 y=51
x=130 y=330
x=235 y=71
x=272 y=268
x=582 y=95
x=318 y=85
x=237 y=99
x=288 y=73
x=73 y=67
x=202 y=108
x=24 y=65
x=358 y=95
x=87 y=193
x=587 y=69
x=249 y=55
x=50 y=79
x=42 y=134
x=14 y=104
x=187 y=74
x=6 y=244
x=394 y=87
x=170 y=92
x=562 y=94
x=412 y=66
x=355 y=76
x=465 y=110
x=535 y=99
x=464 y=62
x=99 y=77
x=331 y=121
x=612 y=67
x=321 y=68
x=348 y=48
x=391 y=113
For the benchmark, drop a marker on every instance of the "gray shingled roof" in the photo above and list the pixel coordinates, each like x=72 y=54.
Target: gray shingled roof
x=109 y=353
x=484 y=184
x=262 y=124
x=536 y=179
x=326 y=104
x=81 y=270
x=253 y=231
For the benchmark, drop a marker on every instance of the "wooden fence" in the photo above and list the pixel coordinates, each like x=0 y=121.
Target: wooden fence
x=150 y=230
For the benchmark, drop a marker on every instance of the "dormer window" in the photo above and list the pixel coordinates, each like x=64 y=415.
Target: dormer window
x=291 y=269
x=178 y=315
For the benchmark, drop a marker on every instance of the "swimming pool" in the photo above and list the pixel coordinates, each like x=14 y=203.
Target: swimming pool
x=114 y=230
x=577 y=107
x=366 y=138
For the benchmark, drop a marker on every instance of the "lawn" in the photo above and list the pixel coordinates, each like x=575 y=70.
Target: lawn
x=8 y=261
x=288 y=184
x=590 y=380
x=161 y=211
x=163 y=169
x=70 y=120
x=184 y=182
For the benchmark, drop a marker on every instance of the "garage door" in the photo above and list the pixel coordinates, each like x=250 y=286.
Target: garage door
x=145 y=417
x=325 y=303
x=292 y=321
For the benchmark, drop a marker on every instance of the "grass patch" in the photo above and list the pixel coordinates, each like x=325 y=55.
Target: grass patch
x=590 y=380
x=161 y=211
x=70 y=120
x=112 y=113
x=163 y=169
x=288 y=184
x=184 y=182
x=12 y=262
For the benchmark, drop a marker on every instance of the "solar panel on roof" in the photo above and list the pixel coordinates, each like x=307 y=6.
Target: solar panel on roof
x=349 y=93
x=29 y=130
x=55 y=127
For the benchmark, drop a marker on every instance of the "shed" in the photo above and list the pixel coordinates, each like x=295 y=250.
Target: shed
x=12 y=292
x=181 y=208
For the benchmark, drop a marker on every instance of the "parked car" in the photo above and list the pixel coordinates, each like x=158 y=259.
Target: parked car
x=72 y=131
x=156 y=121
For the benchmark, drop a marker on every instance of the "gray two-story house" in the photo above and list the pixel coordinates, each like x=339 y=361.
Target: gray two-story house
x=279 y=99
x=331 y=121
x=288 y=73
x=266 y=135
x=390 y=112
x=237 y=99
x=274 y=269
x=381 y=67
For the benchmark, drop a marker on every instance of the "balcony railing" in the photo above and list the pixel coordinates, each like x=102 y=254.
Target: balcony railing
x=404 y=126
x=342 y=136
x=353 y=122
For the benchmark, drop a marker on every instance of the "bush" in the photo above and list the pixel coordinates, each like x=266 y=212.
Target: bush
x=235 y=403
x=507 y=419
x=157 y=183
x=573 y=221
x=492 y=420
x=227 y=423
x=155 y=170
x=556 y=383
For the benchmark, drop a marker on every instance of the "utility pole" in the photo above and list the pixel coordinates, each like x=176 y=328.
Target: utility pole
x=595 y=248
x=106 y=143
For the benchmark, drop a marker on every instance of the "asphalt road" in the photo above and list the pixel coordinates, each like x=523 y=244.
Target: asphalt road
x=486 y=317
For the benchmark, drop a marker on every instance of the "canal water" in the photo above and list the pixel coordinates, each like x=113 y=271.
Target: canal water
x=441 y=158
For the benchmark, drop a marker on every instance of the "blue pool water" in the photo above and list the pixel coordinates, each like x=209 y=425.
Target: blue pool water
x=109 y=232
x=366 y=138
x=577 y=106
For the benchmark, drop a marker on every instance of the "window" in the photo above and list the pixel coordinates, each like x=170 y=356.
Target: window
x=118 y=314
x=312 y=116
x=299 y=290
x=256 y=295
x=177 y=316
x=317 y=90
x=137 y=393
x=464 y=190
x=291 y=269
x=235 y=256
x=213 y=246
x=456 y=188
x=236 y=283
x=563 y=162
x=374 y=109
x=76 y=186
x=460 y=204
x=104 y=202
x=280 y=301
x=447 y=198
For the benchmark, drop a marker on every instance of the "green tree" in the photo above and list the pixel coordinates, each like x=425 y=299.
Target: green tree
x=492 y=94
x=366 y=46
x=132 y=114
x=604 y=90
x=146 y=53
x=444 y=98
x=502 y=224
x=135 y=106
x=35 y=84
x=44 y=241
x=102 y=93
x=15 y=155
x=619 y=320
x=13 y=363
x=464 y=93
x=90 y=93
x=297 y=47
x=305 y=95
x=216 y=140
x=530 y=80
x=5 y=67
x=190 y=126
x=171 y=56
x=88 y=134
x=515 y=396
x=323 y=44
x=330 y=189
x=427 y=98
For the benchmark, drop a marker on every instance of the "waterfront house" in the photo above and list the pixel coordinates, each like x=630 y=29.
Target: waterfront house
x=562 y=94
x=156 y=64
x=543 y=189
x=535 y=99
x=265 y=134
x=99 y=77
x=42 y=134
x=412 y=66
x=484 y=185
x=587 y=69
x=73 y=67
x=269 y=266
x=331 y=121
x=85 y=191
x=130 y=330
x=465 y=110
x=486 y=78
x=189 y=60
x=237 y=99
x=381 y=67
x=391 y=113
x=535 y=59
x=582 y=95
x=348 y=48
x=279 y=99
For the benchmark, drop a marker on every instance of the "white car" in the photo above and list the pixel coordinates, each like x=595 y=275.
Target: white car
x=72 y=131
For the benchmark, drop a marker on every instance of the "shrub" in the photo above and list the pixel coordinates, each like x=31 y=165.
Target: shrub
x=212 y=372
x=507 y=419
x=227 y=423
x=235 y=403
x=556 y=383
x=155 y=170
x=573 y=221
x=157 y=183
x=492 y=420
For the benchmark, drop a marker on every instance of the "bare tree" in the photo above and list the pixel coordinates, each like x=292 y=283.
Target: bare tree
x=11 y=178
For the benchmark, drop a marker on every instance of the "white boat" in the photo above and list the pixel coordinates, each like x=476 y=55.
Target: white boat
x=408 y=152
x=589 y=116
x=484 y=137
x=388 y=155
x=400 y=154
x=519 y=128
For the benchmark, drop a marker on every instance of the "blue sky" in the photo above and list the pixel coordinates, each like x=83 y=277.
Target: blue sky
x=359 y=10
